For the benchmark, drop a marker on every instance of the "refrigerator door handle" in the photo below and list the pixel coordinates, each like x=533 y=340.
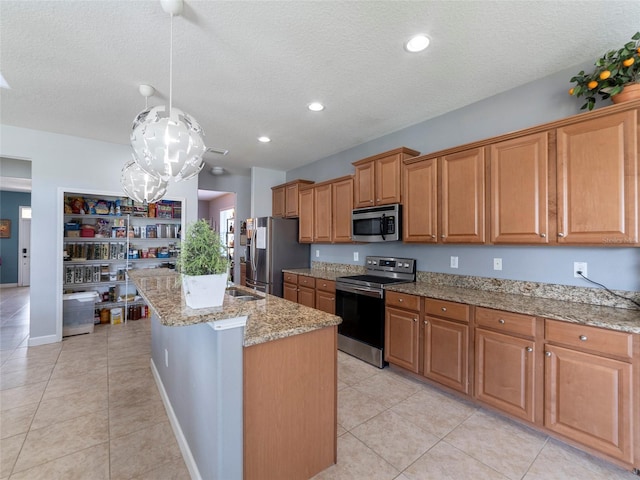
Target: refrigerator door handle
x=253 y=253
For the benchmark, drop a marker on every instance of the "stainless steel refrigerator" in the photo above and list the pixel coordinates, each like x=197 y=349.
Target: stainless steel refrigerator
x=272 y=245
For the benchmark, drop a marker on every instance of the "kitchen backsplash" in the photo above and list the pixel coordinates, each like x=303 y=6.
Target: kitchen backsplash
x=593 y=296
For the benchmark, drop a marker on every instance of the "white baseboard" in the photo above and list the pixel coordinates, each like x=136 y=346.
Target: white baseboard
x=8 y=285
x=177 y=430
x=43 y=340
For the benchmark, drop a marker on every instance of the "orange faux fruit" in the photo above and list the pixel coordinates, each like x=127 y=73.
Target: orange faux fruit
x=592 y=84
x=628 y=62
x=571 y=91
x=604 y=75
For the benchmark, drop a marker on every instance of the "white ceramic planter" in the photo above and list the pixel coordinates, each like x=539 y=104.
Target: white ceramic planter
x=203 y=291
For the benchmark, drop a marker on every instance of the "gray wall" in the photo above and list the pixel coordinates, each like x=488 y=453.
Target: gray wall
x=203 y=381
x=10 y=203
x=529 y=105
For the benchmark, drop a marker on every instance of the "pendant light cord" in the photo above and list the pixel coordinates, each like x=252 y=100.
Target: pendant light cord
x=171 y=64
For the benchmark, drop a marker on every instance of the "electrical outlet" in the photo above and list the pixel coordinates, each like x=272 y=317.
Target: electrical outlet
x=317 y=253
x=166 y=358
x=580 y=267
x=454 y=262
x=355 y=256
x=497 y=264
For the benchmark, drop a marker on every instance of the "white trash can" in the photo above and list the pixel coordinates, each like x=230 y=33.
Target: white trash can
x=77 y=312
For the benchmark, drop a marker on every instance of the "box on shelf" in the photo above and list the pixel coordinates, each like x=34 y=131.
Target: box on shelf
x=78 y=313
x=116 y=316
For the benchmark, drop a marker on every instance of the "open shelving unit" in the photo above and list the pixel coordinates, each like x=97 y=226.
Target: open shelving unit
x=98 y=259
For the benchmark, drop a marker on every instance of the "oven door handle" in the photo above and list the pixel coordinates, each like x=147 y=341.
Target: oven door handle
x=359 y=291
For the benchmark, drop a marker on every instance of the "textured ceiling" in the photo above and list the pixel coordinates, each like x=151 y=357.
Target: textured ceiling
x=245 y=69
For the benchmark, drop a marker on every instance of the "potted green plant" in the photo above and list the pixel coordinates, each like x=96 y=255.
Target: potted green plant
x=615 y=71
x=203 y=263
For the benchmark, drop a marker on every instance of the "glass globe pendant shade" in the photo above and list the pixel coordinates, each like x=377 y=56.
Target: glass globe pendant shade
x=140 y=185
x=168 y=144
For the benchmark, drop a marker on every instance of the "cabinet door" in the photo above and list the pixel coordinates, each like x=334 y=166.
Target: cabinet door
x=598 y=181
x=504 y=373
x=445 y=351
x=401 y=338
x=322 y=213
x=364 y=188
x=519 y=199
x=420 y=209
x=388 y=180
x=341 y=207
x=307 y=296
x=277 y=202
x=326 y=301
x=588 y=399
x=462 y=197
x=291 y=200
x=290 y=292
x=305 y=226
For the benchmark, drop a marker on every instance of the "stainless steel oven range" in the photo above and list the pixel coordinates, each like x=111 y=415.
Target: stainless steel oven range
x=360 y=303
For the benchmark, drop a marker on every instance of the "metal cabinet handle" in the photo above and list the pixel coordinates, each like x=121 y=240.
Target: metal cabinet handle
x=444 y=309
x=415 y=319
x=400 y=300
x=548 y=354
x=501 y=322
x=560 y=234
x=583 y=338
x=529 y=349
x=543 y=235
x=433 y=236
x=442 y=236
x=426 y=323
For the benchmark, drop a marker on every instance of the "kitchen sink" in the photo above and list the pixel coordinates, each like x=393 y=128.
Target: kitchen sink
x=242 y=295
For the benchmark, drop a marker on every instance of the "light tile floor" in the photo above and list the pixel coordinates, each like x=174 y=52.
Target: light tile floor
x=88 y=408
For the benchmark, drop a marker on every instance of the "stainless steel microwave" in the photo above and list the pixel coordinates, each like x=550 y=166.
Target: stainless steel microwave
x=377 y=224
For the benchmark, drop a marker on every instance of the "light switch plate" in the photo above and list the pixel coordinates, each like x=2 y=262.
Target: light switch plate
x=454 y=262
x=497 y=264
x=317 y=253
x=355 y=256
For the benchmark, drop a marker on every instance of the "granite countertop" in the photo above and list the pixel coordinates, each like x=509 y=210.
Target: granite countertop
x=621 y=319
x=269 y=318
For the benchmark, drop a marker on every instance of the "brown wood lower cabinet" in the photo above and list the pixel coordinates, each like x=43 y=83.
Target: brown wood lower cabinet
x=505 y=362
x=326 y=296
x=588 y=397
x=446 y=343
x=290 y=407
x=579 y=382
x=505 y=368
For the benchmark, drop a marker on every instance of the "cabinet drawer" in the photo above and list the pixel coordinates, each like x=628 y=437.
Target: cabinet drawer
x=443 y=308
x=507 y=322
x=403 y=300
x=606 y=342
x=325 y=285
x=307 y=281
x=290 y=278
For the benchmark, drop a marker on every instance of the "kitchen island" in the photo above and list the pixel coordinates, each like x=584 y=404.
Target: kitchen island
x=250 y=387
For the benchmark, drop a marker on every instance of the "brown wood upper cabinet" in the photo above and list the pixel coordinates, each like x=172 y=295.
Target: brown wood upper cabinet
x=378 y=180
x=519 y=205
x=462 y=191
x=598 y=180
x=325 y=211
x=445 y=198
x=284 y=199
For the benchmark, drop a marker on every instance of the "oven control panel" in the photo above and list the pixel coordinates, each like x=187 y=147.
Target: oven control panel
x=391 y=264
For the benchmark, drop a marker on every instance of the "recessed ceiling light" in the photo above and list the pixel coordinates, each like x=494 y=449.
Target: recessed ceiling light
x=315 y=107
x=264 y=139
x=417 y=43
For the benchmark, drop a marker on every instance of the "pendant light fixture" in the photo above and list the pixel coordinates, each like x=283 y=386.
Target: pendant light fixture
x=167 y=142
x=139 y=185
x=142 y=186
